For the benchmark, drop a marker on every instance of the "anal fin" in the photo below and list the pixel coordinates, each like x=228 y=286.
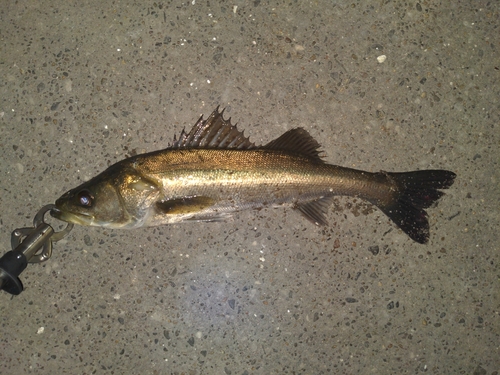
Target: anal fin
x=315 y=211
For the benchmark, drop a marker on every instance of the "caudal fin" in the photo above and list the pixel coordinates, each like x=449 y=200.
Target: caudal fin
x=417 y=191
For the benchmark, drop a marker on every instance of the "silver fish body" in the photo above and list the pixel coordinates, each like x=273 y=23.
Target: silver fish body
x=213 y=171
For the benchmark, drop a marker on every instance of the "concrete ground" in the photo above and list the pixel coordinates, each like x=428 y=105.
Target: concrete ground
x=393 y=86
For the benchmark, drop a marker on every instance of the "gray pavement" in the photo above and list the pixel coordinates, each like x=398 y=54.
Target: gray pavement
x=393 y=86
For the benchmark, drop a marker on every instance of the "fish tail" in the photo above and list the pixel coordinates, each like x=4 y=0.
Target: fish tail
x=418 y=190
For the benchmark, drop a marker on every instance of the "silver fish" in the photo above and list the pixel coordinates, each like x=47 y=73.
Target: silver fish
x=214 y=170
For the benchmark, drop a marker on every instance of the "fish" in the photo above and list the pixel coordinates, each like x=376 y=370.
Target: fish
x=214 y=170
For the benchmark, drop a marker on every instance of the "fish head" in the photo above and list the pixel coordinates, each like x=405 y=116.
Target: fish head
x=116 y=198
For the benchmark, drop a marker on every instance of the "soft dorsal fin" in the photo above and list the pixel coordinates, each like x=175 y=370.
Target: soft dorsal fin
x=298 y=141
x=214 y=132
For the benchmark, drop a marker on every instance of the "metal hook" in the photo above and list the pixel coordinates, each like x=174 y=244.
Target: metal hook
x=26 y=244
x=41 y=236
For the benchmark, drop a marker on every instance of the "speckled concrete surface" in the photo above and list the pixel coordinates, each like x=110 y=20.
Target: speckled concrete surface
x=85 y=84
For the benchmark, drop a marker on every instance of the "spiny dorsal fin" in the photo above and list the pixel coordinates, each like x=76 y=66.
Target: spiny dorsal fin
x=298 y=141
x=214 y=132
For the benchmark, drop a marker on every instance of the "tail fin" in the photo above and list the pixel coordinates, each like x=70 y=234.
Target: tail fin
x=417 y=191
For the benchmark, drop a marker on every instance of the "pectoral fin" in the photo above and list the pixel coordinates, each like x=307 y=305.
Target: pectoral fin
x=184 y=205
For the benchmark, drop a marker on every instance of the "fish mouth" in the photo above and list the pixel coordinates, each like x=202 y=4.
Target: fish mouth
x=61 y=215
x=56 y=212
x=70 y=217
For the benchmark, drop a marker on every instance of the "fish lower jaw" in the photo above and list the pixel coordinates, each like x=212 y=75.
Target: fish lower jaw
x=73 y=219
x=76 y=219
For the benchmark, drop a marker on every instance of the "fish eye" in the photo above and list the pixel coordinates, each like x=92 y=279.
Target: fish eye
x=85 y=198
